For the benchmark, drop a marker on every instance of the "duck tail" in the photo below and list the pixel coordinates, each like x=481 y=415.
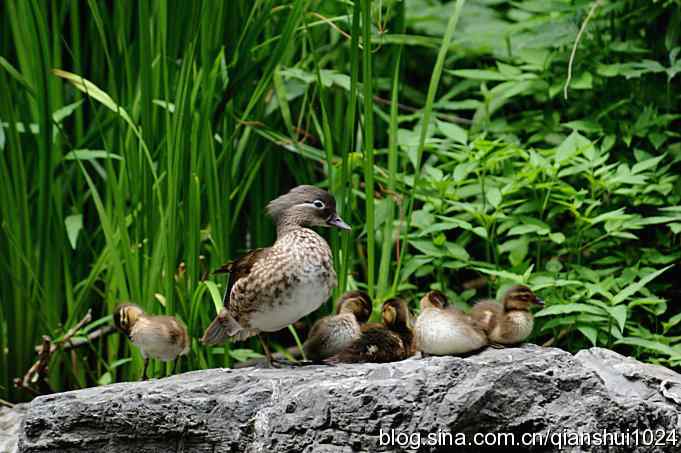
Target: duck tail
x=224 y=327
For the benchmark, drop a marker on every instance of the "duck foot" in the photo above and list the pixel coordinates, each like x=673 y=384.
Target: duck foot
x=497 y=346
x=281 y=363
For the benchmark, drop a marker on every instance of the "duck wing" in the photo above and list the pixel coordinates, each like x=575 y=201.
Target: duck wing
x=224 y=325
x=240 y=268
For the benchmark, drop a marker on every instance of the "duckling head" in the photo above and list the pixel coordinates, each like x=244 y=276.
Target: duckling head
x=307 y=206
x=356 y=302
x=520 y=297
x=125 y=316
x=396 y=314
x=433 y=299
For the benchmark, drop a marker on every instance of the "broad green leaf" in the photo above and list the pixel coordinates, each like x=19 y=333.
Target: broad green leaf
x=590 y=332
x=650 y=345
x=562 y=309
x=453 y=131
x=646 y=164
x=493 y=195
x=636 y=287
x=456 y=251
x=619 y=313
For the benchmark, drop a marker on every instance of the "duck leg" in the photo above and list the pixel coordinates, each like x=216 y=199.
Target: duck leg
x=272 y=362
x=144 y=372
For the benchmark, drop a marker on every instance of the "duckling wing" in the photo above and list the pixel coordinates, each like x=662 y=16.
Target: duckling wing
x=330 y=335
x=315 y=343
x=158 y=337
x=375 y=345
x=486 y=314
x=176 y=331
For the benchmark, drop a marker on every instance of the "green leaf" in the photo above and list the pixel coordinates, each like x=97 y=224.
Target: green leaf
x=428 y=248
x=636 y=287
x=619 y=313
x=558 y=238
x=493 y=195
x=215 y=294
x=525 y=229
x=453 y=131
x=73 y=223
x=562 y=309
x=590 y=332
x=90 y=154
x=573 y=145
x=646 y=164
x=650 y=345
x=241 y=355
x=457 y=251
x=478 y=74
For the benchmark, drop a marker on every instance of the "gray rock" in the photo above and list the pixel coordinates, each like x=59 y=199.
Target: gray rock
x=10 y=424
x=353 y=408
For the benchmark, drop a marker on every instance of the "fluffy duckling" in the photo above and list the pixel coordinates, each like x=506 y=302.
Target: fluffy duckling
x=332 y=334
x=509 y=322
x=273 y=287
x=157 y=337
x=390 y=342
x=444 y=330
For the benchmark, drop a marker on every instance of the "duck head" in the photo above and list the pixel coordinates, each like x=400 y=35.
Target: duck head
x=395 y=313
x=356 y=302
x=307 y=206
x=433 y=299
x=520 y=297
x=125 y=316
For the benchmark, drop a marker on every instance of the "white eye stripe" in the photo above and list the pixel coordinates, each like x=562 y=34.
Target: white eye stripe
x=317 y=204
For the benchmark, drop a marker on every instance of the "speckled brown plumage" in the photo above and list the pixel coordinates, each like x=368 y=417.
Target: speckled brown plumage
x=273 y=287
x=509 y=322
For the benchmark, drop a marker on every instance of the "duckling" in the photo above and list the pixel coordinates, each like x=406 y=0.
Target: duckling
x=509 y=322
x=443 y=330
x=390 y=342
x=157 y=337
x=270 y=288
x=334 y=333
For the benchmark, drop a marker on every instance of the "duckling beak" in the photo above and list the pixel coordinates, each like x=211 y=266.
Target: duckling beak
x=539 y=301
x=337 y=222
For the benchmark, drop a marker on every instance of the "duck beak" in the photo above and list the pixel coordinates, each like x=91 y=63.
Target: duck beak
x=337 y=222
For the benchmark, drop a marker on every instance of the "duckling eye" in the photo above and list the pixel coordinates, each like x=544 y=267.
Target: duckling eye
x=319 y=204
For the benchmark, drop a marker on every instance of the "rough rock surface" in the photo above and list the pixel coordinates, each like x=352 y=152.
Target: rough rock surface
x=344 y=408
x=10 y=424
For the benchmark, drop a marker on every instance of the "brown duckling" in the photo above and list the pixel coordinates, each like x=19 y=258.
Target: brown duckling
x=444 y=330
x=332 y=334
x=390 y=342
x=157 y=337
x=273 y=287
x=509 y=322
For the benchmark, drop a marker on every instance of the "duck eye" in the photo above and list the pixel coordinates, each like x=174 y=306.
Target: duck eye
x=319 y=204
